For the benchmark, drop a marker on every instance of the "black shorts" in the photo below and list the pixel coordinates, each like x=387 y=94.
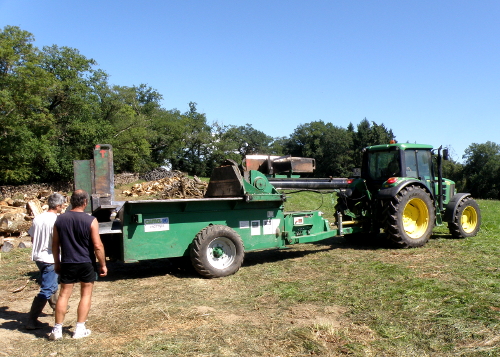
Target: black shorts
x=77 y=272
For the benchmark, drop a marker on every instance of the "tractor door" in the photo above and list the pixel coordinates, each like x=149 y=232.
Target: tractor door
x=418 y=164
x=378 y=166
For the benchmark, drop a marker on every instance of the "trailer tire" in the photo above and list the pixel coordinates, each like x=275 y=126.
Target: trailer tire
x=466 y=219
x=410 y=217
x=217 y=251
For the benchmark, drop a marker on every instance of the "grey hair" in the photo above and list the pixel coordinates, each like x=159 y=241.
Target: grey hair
x=55 y=200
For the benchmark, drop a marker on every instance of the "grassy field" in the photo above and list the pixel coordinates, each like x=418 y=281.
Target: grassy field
x=327 y=299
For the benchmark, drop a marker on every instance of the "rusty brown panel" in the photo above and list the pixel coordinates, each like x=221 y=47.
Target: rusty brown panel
x=294 y=164
x=103 y=171
x=226 y=181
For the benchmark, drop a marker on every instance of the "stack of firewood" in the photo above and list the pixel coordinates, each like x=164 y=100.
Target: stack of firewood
x=176 y=186
x=16 y=216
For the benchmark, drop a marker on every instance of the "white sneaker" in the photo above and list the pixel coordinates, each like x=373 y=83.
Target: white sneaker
x=81 y=333
x=55 y=335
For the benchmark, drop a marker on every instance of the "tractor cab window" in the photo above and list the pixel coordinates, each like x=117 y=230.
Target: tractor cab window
x=424 y=164
x=383 y=164
x=418 y=164
x=411 y=164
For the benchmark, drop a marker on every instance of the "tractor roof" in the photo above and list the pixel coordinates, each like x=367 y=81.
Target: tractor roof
x=400 y=146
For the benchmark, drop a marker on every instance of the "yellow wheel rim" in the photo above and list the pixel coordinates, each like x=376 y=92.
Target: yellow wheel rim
x=415 y=218
x=468 y=220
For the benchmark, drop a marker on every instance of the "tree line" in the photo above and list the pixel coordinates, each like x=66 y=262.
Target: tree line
x=56 y=104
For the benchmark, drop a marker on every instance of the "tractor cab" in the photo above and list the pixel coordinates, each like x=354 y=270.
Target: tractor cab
x=384 y=162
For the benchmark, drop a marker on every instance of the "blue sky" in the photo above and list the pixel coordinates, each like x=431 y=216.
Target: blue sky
x=428 y=70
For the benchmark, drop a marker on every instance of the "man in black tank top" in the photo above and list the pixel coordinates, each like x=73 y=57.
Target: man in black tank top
x=76 y=244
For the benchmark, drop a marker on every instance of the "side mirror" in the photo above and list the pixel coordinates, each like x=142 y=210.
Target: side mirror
x=446 y=154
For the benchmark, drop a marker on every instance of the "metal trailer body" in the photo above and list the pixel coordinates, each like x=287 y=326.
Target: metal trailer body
x=236 y=211
x=166 y=228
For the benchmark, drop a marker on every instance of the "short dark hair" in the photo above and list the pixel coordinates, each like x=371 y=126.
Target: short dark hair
x=78 y=198
x=55 y=200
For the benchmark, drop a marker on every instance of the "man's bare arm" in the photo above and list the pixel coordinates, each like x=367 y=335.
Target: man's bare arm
x=56 y=250
x=98 y=248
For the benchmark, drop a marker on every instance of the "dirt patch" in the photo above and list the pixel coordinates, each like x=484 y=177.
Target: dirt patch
x=311 y=315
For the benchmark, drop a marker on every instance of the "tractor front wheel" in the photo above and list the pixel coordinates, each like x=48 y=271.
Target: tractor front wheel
x=410 y=217
x=466 y=219
x=217 y=251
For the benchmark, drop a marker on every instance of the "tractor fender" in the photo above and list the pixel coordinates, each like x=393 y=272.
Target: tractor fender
x=452 y=206
x=390 y=192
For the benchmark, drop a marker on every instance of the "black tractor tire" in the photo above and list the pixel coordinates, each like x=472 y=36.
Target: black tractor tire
x=409 y=217
x=466 y=219
x=217 y=251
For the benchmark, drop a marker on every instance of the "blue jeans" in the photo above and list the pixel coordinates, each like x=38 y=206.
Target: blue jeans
x=49 y=280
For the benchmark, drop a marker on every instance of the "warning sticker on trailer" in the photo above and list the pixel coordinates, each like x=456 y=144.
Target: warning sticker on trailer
x=156 y=224
x=255 y=228
x=298 y=221
x=271 y=225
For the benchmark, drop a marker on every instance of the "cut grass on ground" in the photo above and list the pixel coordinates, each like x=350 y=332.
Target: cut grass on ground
x=326 y=299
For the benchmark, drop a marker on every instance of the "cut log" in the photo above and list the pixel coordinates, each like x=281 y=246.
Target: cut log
x=44 y=193
x=34 y=207
x=14 y=222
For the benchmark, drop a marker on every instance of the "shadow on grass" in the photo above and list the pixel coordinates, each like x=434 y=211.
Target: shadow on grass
x=447 y=236
x=182 y=268
x=16 y=321
x=178 y=267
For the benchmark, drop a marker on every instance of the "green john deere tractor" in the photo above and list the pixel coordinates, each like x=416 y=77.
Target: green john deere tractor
x=400 y=191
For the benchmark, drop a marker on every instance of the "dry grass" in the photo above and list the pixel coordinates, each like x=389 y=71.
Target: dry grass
x=325 y=299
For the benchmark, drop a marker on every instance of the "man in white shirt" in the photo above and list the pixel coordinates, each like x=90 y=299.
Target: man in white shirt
x=41 y=236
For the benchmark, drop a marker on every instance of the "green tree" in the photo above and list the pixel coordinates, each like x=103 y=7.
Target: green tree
x=454 y=171
x=247 y=140
x=132 y=113
x=225 y=144
x=74 y=103
x=55 y=106
x=27 y=126
x=196 y=144
x=168 y=129
x=368 y=134
x=482 y=170
x=329 y=145
x=278 y=146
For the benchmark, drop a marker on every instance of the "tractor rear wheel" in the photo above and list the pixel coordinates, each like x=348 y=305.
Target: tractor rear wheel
x=217 y=251
x=410 y=217
x=466 y=219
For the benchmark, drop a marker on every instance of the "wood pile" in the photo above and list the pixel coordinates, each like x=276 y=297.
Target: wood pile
x=125 y=178
x=19 y=205
x=177 y=186
x=24 y=192
x=16 y=215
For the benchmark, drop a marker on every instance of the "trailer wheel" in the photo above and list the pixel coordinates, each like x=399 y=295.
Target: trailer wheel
x=466 y=219
x=217 y=251
x=410 y=217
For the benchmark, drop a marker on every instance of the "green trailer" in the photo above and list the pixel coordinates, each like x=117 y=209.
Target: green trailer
x=240 y=212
